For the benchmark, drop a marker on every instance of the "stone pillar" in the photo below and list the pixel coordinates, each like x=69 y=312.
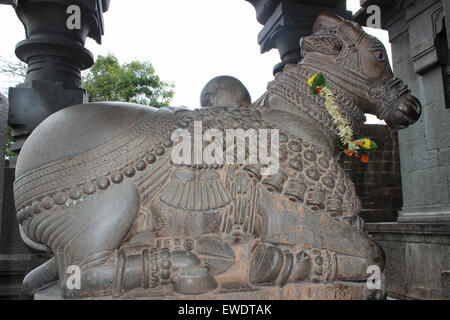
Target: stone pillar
x=425 y=148
x=287 y=21
x=55 y=55
x=420 y=48
x=447 y=38
x=417 y=247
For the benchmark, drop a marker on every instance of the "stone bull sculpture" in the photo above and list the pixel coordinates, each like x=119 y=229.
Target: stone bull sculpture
x=96 y=187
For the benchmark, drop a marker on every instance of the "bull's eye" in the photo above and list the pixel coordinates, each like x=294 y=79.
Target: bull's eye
x=380 y=56
x=327 y=44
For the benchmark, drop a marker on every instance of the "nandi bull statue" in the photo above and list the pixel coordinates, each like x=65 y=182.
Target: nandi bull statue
x=96 y=186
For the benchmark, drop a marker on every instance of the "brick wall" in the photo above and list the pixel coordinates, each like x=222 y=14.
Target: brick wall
x=378 y=183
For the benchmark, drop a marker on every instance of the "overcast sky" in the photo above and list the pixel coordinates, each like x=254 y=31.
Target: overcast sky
x=188 y=42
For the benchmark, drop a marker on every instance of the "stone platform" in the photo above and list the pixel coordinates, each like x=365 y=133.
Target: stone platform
x=417 y=259
x=306 y=291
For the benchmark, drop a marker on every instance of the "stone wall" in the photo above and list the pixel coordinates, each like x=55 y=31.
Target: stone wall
x=378 y=183
x=417 y=259
x=425 y=146
x=4 y=108
x=16 y=259
x=417 y=248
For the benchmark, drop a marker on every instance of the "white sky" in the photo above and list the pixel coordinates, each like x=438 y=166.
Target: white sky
x=188 y=42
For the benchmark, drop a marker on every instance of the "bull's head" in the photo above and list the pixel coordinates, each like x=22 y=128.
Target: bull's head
x=357 y=64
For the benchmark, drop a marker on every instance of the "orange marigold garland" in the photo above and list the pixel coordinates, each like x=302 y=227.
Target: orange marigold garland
x=356 y=149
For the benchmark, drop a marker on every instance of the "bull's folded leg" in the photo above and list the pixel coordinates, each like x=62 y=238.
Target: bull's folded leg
x=96 y=274
x=146 y=267
x=274 y=265
x=40 y=278
x=89 y=245
x=88 y=241
x=160 y=270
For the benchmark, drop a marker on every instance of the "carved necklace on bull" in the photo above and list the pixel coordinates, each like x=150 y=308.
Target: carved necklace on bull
x=356 y=149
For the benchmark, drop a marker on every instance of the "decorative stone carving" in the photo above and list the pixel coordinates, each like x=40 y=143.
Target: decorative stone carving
x=96 y=186
x=286 y=21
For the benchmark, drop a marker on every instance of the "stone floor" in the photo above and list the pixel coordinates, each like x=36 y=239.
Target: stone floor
x=306 y=291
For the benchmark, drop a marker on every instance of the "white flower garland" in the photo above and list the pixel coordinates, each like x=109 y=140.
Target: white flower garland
x=345 y=131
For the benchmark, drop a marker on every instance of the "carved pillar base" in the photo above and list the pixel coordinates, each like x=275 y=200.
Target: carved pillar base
x=34 y=101
x=55 y=55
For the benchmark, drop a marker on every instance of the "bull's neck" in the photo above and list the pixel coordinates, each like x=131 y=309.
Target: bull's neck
x=293 y=94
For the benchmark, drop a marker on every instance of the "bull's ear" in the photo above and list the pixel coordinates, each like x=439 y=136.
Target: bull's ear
x=326 y=44
x=327 y=21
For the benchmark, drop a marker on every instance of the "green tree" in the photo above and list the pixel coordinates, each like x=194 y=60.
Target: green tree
x=136 y=82
x=107 y=80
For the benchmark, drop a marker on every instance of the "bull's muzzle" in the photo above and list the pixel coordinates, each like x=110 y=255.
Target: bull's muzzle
x=406 y=112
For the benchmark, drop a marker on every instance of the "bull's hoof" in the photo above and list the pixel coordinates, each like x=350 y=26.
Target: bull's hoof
x=195 y=280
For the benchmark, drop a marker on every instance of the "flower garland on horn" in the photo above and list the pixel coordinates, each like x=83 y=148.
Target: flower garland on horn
x=356 y=149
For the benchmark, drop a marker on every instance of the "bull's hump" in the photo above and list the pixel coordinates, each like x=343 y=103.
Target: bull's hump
x=78 y=129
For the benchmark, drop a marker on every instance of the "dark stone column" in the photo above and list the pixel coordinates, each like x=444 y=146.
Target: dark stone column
x=55 y=56
x=446 y=35
x=287 y=21
x=3 y=137
x=16 y=259
x=447 y=15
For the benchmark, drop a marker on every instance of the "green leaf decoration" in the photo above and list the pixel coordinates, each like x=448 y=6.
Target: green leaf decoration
x=319 y=81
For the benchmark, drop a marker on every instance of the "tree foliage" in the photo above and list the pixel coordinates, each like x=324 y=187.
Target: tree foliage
x=13 y=71
x=136 y=82
x=107 y=80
